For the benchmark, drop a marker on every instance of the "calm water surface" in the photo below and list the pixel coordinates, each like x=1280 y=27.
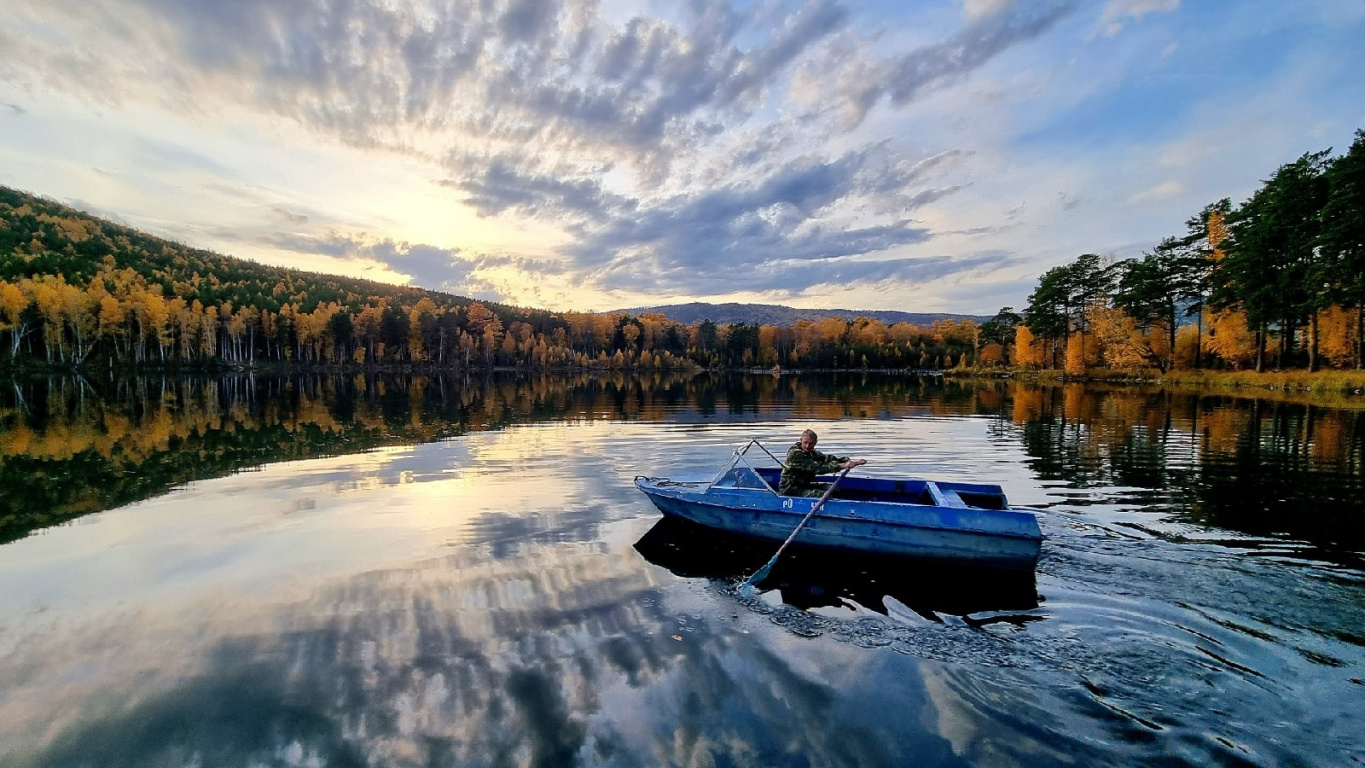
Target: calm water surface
x=416 y=572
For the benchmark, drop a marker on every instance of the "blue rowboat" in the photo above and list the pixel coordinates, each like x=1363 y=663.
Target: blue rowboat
x=967 y=523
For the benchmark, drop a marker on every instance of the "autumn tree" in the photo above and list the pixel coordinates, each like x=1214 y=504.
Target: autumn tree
x=1230 y=338
x=13 y=302
x=1343 y=235
x=1028 y=353
x=1151 y=290
x=1205 y=234
x=1000 y=328
x=1272 y=264
x=1122 y=344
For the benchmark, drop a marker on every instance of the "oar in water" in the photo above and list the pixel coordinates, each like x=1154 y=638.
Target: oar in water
x=762 y=573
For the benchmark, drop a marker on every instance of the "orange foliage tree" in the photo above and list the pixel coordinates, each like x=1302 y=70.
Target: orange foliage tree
x=1337 y=335
x=1230 y=339
x=1028 y=352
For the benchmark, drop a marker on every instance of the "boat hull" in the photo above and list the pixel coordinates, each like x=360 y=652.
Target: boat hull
x=1007 y=538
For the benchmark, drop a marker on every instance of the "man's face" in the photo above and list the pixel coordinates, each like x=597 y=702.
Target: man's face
x=807 y=442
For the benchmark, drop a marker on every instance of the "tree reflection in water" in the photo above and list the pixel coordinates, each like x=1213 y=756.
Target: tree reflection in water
x=479 y=600
x=1267 y=468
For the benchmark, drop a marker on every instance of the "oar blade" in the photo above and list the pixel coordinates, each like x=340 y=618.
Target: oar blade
x=747 y=587
x=751 y=584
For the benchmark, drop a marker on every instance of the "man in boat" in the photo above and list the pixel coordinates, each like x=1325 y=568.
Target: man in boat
x=804 y=463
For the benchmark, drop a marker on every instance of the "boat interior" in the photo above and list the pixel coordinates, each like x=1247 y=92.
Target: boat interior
x=892 y=490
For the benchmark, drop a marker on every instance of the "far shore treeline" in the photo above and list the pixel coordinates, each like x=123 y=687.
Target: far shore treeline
x=81 y=293
x=1276 y=281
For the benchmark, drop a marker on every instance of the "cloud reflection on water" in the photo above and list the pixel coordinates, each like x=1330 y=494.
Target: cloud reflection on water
x=479 y=600
x=413 y=617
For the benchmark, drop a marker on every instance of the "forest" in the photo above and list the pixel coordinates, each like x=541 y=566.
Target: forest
x=81 y=293
x=1277 y=281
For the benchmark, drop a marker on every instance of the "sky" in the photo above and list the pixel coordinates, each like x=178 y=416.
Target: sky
x=917 y=156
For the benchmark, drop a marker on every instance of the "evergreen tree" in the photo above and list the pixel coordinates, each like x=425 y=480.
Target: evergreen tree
x=1272 y=260
x=1343 y=235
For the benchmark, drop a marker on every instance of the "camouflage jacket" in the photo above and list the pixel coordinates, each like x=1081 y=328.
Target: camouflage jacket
x=799 y=474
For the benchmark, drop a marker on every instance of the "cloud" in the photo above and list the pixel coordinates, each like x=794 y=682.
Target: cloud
x=1117 y=10
x=1138 y=8
x=1164 y=191
x=900 y=80
x=665 y=152
x=975 y=9
x=506 y=75
x=792 y=214
x=288 y=215
x=376 y=74
x=1070 y=202
x=175 y=155
x=498 y=187
x=805 y=210
x=794 y=277
x=426 y=265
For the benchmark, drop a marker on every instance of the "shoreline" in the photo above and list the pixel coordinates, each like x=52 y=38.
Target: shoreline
x=1349 y=383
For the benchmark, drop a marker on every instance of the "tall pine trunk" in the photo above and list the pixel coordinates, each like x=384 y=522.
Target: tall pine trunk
x=1313 y=341
x=1360 y=330
x=1260 y=347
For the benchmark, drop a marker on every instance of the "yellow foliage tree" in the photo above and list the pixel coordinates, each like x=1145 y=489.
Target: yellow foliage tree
x=13 y=302
x=1186 y=346
x=1337 y=334
x=1229 y=338
x=1075 y=355
x=1118 y=342
x=1028 y=353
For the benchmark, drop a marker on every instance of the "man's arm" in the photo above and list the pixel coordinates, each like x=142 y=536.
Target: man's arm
x=840 y=462
x=829 y=463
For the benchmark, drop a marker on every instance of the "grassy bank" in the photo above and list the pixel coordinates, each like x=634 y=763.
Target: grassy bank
x=1334 y=382
x=1326 y=382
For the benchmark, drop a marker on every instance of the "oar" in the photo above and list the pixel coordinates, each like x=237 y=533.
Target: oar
x=762 y=573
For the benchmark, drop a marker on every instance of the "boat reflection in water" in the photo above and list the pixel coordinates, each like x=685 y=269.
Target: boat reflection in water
x=810 y=577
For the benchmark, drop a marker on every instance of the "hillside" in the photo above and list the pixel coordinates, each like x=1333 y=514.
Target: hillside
x=42 y=237
x=776 y=314
x=78 y=291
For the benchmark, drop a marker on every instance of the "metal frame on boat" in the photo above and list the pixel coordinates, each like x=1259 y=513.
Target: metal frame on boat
x=959 y=522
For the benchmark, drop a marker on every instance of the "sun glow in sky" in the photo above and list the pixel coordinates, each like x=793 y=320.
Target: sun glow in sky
x=927 y=156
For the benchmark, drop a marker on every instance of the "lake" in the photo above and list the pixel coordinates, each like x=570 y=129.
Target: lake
x=414 y=571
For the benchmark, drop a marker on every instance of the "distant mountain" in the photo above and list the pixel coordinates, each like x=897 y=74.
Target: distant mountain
x=775 y=314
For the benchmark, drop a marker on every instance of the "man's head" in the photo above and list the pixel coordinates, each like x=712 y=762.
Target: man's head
x=808 y=440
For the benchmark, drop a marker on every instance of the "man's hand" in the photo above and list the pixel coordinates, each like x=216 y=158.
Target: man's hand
x=851 y=463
